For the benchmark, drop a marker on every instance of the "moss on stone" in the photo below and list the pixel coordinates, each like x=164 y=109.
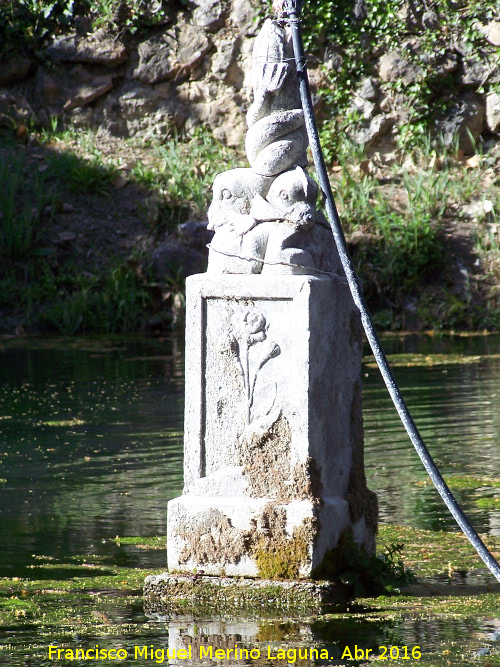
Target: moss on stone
x=283 y=560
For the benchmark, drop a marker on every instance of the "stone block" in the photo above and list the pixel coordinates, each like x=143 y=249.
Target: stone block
x=273 y=427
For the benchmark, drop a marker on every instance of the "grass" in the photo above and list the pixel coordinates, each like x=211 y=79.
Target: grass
x=64 y=300
x=23 y=207
x=81 y=175
x=352 y=41
x=181 y=173
x=397 y=221
x=49 y=290
x=115 y=302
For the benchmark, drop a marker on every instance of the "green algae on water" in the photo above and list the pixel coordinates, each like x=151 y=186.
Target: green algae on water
x=409 y=360
x=101 y=603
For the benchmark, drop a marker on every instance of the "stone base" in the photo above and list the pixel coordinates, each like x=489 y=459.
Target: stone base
x=273 y=438
x=253 y=537
x=166 y=595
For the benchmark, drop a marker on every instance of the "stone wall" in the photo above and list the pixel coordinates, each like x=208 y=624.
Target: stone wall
x=193 y=70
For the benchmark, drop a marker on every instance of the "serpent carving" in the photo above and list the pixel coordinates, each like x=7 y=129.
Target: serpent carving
x=277 y=138
x=264 y=217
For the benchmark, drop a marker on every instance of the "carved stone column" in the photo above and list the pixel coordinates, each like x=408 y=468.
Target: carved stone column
x=274 y=473
x=273 y=427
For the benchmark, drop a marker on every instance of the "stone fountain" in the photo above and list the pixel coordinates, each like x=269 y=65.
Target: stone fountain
x=274 y=473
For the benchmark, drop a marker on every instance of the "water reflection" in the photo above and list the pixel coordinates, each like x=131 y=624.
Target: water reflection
x=91 y=440
x=456 y=407
x=331 y=639
x=91 y=447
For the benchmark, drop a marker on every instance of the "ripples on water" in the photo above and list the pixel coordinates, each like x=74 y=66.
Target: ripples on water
x=457 y=409
x=91 y=448
x=91 y=438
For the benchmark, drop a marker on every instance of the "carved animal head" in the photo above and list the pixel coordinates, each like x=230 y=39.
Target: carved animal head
x=294 y=194
x=233 y=191
x=292 y=187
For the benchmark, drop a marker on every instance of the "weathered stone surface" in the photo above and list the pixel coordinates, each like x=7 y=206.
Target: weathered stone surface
x=273 y=464
x=393 y=67
x=445 y=64
x=273 y=426
x=52 y=88
x=157 y=58
x=243 y=15
x=136 y=108
x=408 y=13
x=378 y=127
x=86 y=92
x=210 y=14
x=277 y=142
x=468 y=115
x=224 y=65
x=268 y=225
x=364 y=106
x=61 y=90
x=222 y=70
x=492 y=32
x=493 y=112
x=476 y=72
x=165 y=594
x=15 y=110
x=224 y=117
x=14 y=69
x=97 y=48
x=171 y=54
x=368 y=90
x=276 y=139
x=172 y=259
x=430 y=20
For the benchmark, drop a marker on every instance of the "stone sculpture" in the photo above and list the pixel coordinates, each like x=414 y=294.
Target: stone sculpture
x=273 y=467
x=265 y=217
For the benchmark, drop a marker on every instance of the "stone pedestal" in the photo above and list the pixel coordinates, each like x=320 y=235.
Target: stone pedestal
x=273 y=428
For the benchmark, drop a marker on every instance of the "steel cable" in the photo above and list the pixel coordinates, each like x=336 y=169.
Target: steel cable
x=291 y=9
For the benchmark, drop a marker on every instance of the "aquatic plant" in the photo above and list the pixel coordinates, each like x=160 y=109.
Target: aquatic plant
x=362 y=574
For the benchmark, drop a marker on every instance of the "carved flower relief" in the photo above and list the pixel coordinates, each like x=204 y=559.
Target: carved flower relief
x=250 y=329
x=250 y=332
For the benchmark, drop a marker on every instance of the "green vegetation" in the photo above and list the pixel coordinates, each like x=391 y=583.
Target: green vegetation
x=281 y=560
x=50 y=287
x=65 y=300
x=397 y=221
x=181 y=172
x=353 y=40
x=143 y=542
x=84 y=601
x=410 y=360
x=483 y=491
x=27 y=24
x=438 y=554
x=401 y=219
x=23 y=208
x=401 y=225
x=88 y=175
x=361 y=574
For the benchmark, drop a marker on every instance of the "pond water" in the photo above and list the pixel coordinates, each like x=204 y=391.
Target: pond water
x=91 y=449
